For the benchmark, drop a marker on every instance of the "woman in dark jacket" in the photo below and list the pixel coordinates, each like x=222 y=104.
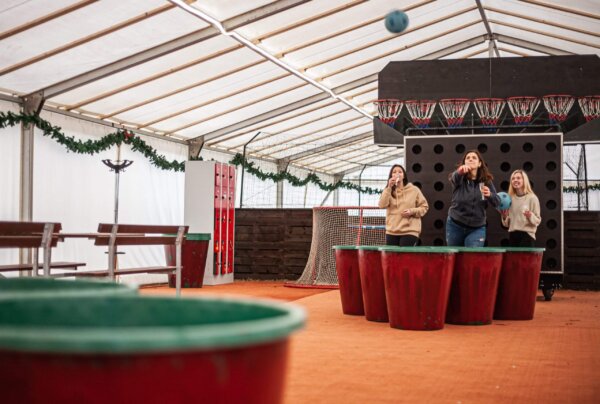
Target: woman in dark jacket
x=472 y=191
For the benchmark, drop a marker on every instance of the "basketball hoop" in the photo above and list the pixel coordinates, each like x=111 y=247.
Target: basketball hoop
x=454 y=110
x=590 y=106
x=558 y=106
x=489 y=110
x=388 y=110
x=420 y=112
x=522 y=108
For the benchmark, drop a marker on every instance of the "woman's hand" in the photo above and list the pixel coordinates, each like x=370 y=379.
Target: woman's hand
x=527 y=213
x=406 y=213
x=391 y=182
x=462 y=170
x=485 y=191
x=504 y=213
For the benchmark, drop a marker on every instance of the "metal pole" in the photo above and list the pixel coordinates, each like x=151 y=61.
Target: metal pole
x=585 y=178
x=242 y=181
x=117 y=197
x=360 y=182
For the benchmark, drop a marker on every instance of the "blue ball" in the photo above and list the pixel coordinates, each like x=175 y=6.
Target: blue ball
x=396 y=21
x=505 y=201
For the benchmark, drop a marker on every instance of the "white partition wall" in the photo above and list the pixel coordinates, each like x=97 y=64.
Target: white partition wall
x=209 y=207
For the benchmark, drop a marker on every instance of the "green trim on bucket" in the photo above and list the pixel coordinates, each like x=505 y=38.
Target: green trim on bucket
x=198 y=236
x=193 y=236
x=27 y=288
x=140 y=324
x=421 y=249
x=344 y=247
x=370 y=247
x=493 y=250
x=524 y=249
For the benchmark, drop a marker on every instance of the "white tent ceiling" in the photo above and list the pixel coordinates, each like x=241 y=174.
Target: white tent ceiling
x=155 y=67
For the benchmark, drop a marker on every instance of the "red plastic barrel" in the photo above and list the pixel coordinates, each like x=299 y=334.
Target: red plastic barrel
x=518 y=285
x=346 y=265
x=144 y=349
x=373 y=287
x=417 y=285
x=193 y=260
x=474 y=285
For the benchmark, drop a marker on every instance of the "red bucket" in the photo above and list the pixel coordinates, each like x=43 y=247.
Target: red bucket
x=346 y=265
x=373 y=287
x=417 y=285
x=193 y=260
x=144 y=349
x=474 y=285
x=518 y=285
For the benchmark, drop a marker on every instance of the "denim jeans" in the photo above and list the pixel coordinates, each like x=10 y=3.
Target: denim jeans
x=461 y=236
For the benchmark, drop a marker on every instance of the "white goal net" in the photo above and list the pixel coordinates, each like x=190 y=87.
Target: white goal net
x=338 y=226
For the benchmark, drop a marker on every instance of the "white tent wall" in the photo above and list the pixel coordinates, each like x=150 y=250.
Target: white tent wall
x=78 y=191
x=10 y=143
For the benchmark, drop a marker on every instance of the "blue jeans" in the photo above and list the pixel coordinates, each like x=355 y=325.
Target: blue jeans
x=461 y=236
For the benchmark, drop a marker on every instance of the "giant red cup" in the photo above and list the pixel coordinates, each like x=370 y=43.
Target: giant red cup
x=346 y=266
x=371 y=280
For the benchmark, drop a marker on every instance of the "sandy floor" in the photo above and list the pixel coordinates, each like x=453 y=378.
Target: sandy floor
x=554 y=358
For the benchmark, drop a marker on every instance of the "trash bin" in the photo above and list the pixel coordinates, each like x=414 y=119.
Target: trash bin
x=474 y=285
x=145 y=349
x=44 y=287
x=371 y=280
x=518 y=284
x=417 y=284
x=193 y=260
x=346 y=266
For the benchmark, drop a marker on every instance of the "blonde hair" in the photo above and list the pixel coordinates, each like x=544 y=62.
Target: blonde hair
x=526 y=184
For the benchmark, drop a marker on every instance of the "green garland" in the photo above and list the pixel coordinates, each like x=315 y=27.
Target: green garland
x=239 y=160
x=137 y=144
x=92 y=146
x=580 y=190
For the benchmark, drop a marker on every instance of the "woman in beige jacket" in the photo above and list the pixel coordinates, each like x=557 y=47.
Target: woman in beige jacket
x=405 y=205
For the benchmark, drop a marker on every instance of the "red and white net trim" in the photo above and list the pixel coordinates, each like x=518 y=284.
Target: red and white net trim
x=420 y=111
x=388 y=110
x=454 y=110
x=590 y=106
x=489 y=110
x=558 y=106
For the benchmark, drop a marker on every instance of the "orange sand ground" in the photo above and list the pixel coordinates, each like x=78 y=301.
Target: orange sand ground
x=554 y=358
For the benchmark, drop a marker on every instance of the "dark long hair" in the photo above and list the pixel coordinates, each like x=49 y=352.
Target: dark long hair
x=483 y=173
x=405 y=177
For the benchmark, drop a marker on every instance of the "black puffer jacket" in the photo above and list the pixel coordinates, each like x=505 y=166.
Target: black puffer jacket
x=467 y=207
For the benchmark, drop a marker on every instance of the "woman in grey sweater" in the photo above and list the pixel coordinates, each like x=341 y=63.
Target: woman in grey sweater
x=523 y=216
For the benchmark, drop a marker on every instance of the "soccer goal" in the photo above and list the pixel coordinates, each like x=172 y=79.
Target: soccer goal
x=339 y=225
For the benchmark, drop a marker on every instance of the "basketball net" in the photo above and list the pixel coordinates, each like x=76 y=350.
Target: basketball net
x=388 y=110
x=558 y=106
x=489 y=110
x=590 y=106
x=454 y=110
x=420 y=112
x=338 y=226
x=522 y=108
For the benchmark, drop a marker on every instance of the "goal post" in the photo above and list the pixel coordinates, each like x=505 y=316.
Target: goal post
x=338 y=225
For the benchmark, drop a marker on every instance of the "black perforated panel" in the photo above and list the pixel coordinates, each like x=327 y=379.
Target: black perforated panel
x=429 y=161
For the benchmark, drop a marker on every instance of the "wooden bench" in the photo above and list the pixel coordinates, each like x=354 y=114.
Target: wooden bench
x=34 y=235
x=114 y=235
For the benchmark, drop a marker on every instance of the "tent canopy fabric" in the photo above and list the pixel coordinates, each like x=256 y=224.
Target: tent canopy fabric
x=300 y=74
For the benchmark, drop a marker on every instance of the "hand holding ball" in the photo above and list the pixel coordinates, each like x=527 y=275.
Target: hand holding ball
x=396 y=21
x=505 y=201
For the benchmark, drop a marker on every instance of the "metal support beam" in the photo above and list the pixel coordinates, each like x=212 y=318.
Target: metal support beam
x=168 y=47
x=455 y=48
x=289 y=108
x=32 y=104
x=372 y=163
x=329 y=146
x=531 y=45
x=195 y=147
x=488 y=29
x=282 y=165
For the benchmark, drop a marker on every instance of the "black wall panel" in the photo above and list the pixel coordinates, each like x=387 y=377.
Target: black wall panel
x=430 y=159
